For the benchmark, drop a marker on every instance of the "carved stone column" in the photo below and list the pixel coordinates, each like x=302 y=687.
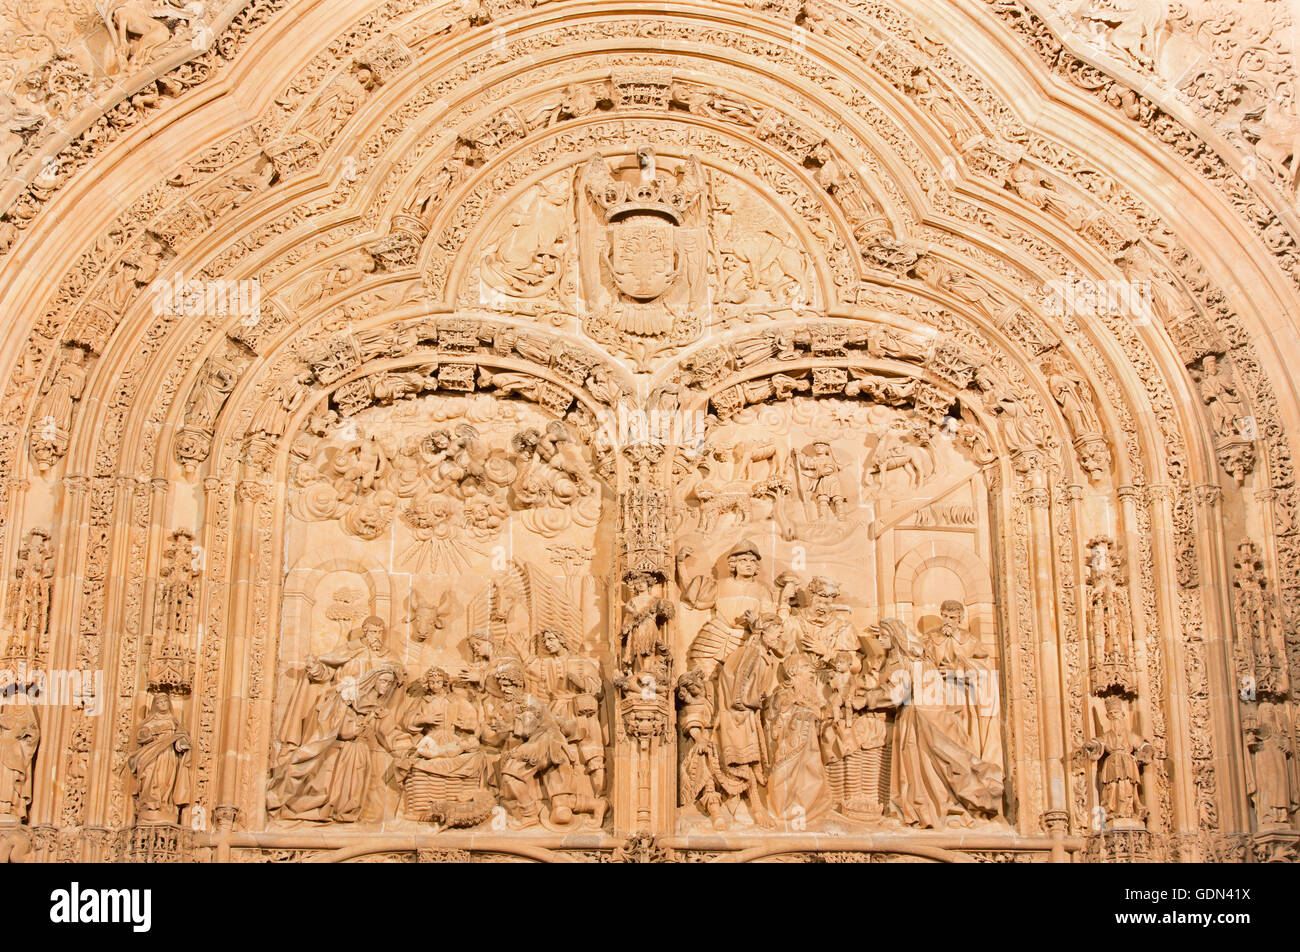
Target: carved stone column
x=1036 y=497
x=645 y=748
x=1216 y=601
x=65 y=603
x=98 y=771
x=1178 y=715
x=250 y=496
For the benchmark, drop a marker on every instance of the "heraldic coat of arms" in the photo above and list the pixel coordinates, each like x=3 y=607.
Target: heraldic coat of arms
x=643 y=250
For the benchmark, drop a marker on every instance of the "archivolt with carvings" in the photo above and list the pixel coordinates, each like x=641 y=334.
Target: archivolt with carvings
x=532 y=418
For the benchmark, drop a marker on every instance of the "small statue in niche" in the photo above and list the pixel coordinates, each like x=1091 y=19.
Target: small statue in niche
x=1108 y=618
x=1271 y=778
x=29 y=595
x=1121 y=753
x=1261 y=649
x=1219 y=392
x=160 y=765
x=644 y=615
x=52 y=422
x=1070 y=392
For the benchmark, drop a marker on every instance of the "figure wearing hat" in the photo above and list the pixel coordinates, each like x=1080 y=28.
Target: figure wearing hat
x=728 y=599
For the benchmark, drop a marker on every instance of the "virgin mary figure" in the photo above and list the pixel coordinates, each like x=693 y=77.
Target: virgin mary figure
x=329 y=775
x=936 y=776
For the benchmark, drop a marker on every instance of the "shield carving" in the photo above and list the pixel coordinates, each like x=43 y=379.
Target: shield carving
x=642 y=255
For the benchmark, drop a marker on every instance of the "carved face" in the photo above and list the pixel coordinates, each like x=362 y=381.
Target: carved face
x=951 y=618
x=510 y=686
x=821 y=606
x=373 y=635
x=552 y=643
x=744 y=565
x=480 y=647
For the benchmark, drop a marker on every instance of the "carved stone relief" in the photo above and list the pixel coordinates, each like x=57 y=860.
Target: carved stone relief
x=406 y=551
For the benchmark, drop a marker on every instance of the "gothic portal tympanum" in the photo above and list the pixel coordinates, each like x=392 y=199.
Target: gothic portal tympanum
x=511 y=429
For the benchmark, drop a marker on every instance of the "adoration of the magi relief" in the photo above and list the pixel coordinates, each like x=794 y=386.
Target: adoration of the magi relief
x=546 y=430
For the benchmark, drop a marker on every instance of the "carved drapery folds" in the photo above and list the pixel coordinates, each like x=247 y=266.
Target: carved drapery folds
x=28 y=603
x=1261 y=649
x=171 y=661
x=1108 y=620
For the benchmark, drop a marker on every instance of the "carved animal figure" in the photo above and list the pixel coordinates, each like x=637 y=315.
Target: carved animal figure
x=1276 y=134
x=748 y=454
x=428 y=613
x=137 y=33
x=893 y=452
